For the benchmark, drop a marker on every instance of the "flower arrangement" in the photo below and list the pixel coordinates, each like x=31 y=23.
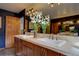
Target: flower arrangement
x=38 y=18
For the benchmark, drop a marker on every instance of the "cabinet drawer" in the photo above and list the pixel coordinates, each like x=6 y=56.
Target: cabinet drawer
x=28 y=44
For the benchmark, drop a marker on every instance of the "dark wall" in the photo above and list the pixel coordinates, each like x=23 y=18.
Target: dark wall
x=22 y=13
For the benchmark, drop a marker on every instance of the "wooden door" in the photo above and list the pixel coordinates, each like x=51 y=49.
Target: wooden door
x=12 y=28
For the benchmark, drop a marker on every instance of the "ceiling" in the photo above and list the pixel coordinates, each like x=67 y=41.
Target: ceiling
x=17 y=7
x=62 y=10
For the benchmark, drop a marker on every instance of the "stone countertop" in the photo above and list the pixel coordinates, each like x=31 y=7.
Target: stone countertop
x=66 y=49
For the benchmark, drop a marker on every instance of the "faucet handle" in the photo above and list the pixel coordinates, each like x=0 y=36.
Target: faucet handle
x=51 y=36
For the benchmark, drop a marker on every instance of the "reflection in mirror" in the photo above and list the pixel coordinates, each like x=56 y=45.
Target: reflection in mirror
x=65 y=26
x=69 y=27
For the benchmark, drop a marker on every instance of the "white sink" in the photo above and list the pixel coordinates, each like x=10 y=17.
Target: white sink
x=76 y=45
x=53 y=42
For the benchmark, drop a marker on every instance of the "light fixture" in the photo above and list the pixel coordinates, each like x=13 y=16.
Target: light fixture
x=58 y=3
x=52 y=4
x=29 y=11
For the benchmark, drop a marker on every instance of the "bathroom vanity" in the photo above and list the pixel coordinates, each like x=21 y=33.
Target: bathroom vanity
x=27 y=45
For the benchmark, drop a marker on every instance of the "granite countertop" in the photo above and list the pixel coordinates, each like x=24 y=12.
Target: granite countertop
x=66 y=49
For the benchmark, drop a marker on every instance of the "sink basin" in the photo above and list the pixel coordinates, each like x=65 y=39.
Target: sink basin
x=76 y=45
x=53 y=42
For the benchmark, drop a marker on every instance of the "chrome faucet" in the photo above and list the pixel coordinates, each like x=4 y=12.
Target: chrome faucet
x=56 y=37
x=51 y=36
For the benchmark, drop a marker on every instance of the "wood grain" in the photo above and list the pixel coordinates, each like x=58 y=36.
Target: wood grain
x=29 y=49
x=12 y=28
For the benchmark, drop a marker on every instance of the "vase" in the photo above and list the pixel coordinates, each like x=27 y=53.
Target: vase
x=35 y=34
x=44 y=28
x=35 y=29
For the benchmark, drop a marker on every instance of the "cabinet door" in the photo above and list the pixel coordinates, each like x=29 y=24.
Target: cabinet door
x=27 y=51
x=27 y=48
x=18 y=46
x=36 y=50
x=43 y=51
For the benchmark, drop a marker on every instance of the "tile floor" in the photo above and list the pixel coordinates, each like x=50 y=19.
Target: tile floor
x=7 y=52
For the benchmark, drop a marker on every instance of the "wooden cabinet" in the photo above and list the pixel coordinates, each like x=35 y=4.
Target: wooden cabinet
x=28 y=49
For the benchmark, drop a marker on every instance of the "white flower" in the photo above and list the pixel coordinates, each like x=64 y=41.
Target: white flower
x=38 y=17
x=33 y=21
x=39 y=21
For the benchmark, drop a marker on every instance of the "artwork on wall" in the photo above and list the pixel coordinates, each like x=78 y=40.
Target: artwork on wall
x=0 y=22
